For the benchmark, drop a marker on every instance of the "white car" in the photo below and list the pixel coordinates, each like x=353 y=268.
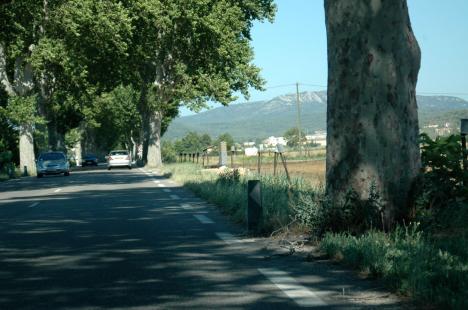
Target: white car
x=119 y=158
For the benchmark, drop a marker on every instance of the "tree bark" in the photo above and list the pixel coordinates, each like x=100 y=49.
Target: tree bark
x=154 y=140
x=26 y=150
x=372 y=119
x=4 y=80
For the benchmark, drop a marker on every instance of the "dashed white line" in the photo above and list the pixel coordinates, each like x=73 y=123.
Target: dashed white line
x=167 y=190
x=174 y=197
x=203 y=219
x=227 y=237
x=161 y=185
x=57 y=190
x=186 y=206
x=156 y=181
x=293 y=289
x=33 y=205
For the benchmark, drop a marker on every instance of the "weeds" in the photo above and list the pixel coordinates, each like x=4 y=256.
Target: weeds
x=408 y=261
x=282 y=202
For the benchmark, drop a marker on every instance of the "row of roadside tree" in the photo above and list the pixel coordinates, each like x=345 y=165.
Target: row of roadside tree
x=97 y=74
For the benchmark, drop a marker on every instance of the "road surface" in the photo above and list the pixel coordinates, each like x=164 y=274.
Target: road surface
x=131 y=239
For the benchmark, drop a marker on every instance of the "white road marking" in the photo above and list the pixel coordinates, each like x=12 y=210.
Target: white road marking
x=174 y=197
x=57 y=190
x=161 y=185
x=33 y=205
x=293 y=289
x=186 y=206
x=227 y=237
x=167 y=190
x=203 y=219
x=156 y=181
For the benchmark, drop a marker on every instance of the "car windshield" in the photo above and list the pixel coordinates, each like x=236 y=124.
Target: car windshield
x=119 y=153
x=52 y=156
x=90 y=156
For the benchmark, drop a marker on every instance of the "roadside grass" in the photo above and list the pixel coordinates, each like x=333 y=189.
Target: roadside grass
x=228 y=190
x=410 y=261
x=6 y=174
x=429 y=263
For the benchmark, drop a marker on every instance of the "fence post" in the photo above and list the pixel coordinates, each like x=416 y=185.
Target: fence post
x=233 y=149
x=285 y=167
x=275 y=163
x=223 y=154
x=259 y=161
x=254 y=205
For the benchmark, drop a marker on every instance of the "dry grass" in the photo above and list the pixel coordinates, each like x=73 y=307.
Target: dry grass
x=312 y=171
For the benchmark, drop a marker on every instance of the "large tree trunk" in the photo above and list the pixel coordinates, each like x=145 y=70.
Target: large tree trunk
x=372 y=119
x=154 y=140
x=56 y=138
x=26 y=150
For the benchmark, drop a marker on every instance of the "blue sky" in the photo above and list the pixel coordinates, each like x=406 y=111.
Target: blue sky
x=293 y=48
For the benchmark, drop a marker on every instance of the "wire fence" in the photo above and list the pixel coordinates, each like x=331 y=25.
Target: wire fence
x=308 y=164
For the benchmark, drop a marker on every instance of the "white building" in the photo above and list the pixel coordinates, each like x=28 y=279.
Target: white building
x=318 y=137
x=251 y=151
x=274 y=141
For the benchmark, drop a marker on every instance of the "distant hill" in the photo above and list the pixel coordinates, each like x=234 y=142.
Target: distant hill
x=261 y=119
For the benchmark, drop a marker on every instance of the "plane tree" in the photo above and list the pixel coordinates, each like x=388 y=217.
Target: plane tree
x=61 y=53
x=17 y=42
x=189 y=53
x=372 y=119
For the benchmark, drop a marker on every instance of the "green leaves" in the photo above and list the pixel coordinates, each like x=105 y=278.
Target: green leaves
x=443 y=174
x=22 y=111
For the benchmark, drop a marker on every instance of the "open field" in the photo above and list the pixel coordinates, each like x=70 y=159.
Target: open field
x=312 y=171
x=308 y=165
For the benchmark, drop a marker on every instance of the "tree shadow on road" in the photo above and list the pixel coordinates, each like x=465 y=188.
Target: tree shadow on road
x=134 y=247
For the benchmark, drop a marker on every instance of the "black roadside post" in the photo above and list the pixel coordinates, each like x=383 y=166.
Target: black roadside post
x=254 y=206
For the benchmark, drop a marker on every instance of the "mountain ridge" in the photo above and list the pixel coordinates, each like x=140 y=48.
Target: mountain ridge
x=261 y=119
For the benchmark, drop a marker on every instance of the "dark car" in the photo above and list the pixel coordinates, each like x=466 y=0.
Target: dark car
x=90 y=160
x=52 y=163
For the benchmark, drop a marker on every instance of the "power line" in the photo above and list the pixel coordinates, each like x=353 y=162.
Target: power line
x=324 y=86
x=280 y=86
x=313 y=85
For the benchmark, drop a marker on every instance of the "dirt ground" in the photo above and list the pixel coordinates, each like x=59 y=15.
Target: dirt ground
x=312 y=170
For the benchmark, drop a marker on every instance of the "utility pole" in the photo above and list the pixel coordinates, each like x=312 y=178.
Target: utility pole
x=299 y=118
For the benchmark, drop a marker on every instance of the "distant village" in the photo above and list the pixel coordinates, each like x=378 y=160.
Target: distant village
x=439 y=130
x=317 y=139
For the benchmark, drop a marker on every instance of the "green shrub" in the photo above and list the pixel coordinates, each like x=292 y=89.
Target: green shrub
x=168 y=152
x=441 y=184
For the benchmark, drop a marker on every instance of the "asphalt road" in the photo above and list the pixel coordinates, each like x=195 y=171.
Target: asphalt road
x=130 y=239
